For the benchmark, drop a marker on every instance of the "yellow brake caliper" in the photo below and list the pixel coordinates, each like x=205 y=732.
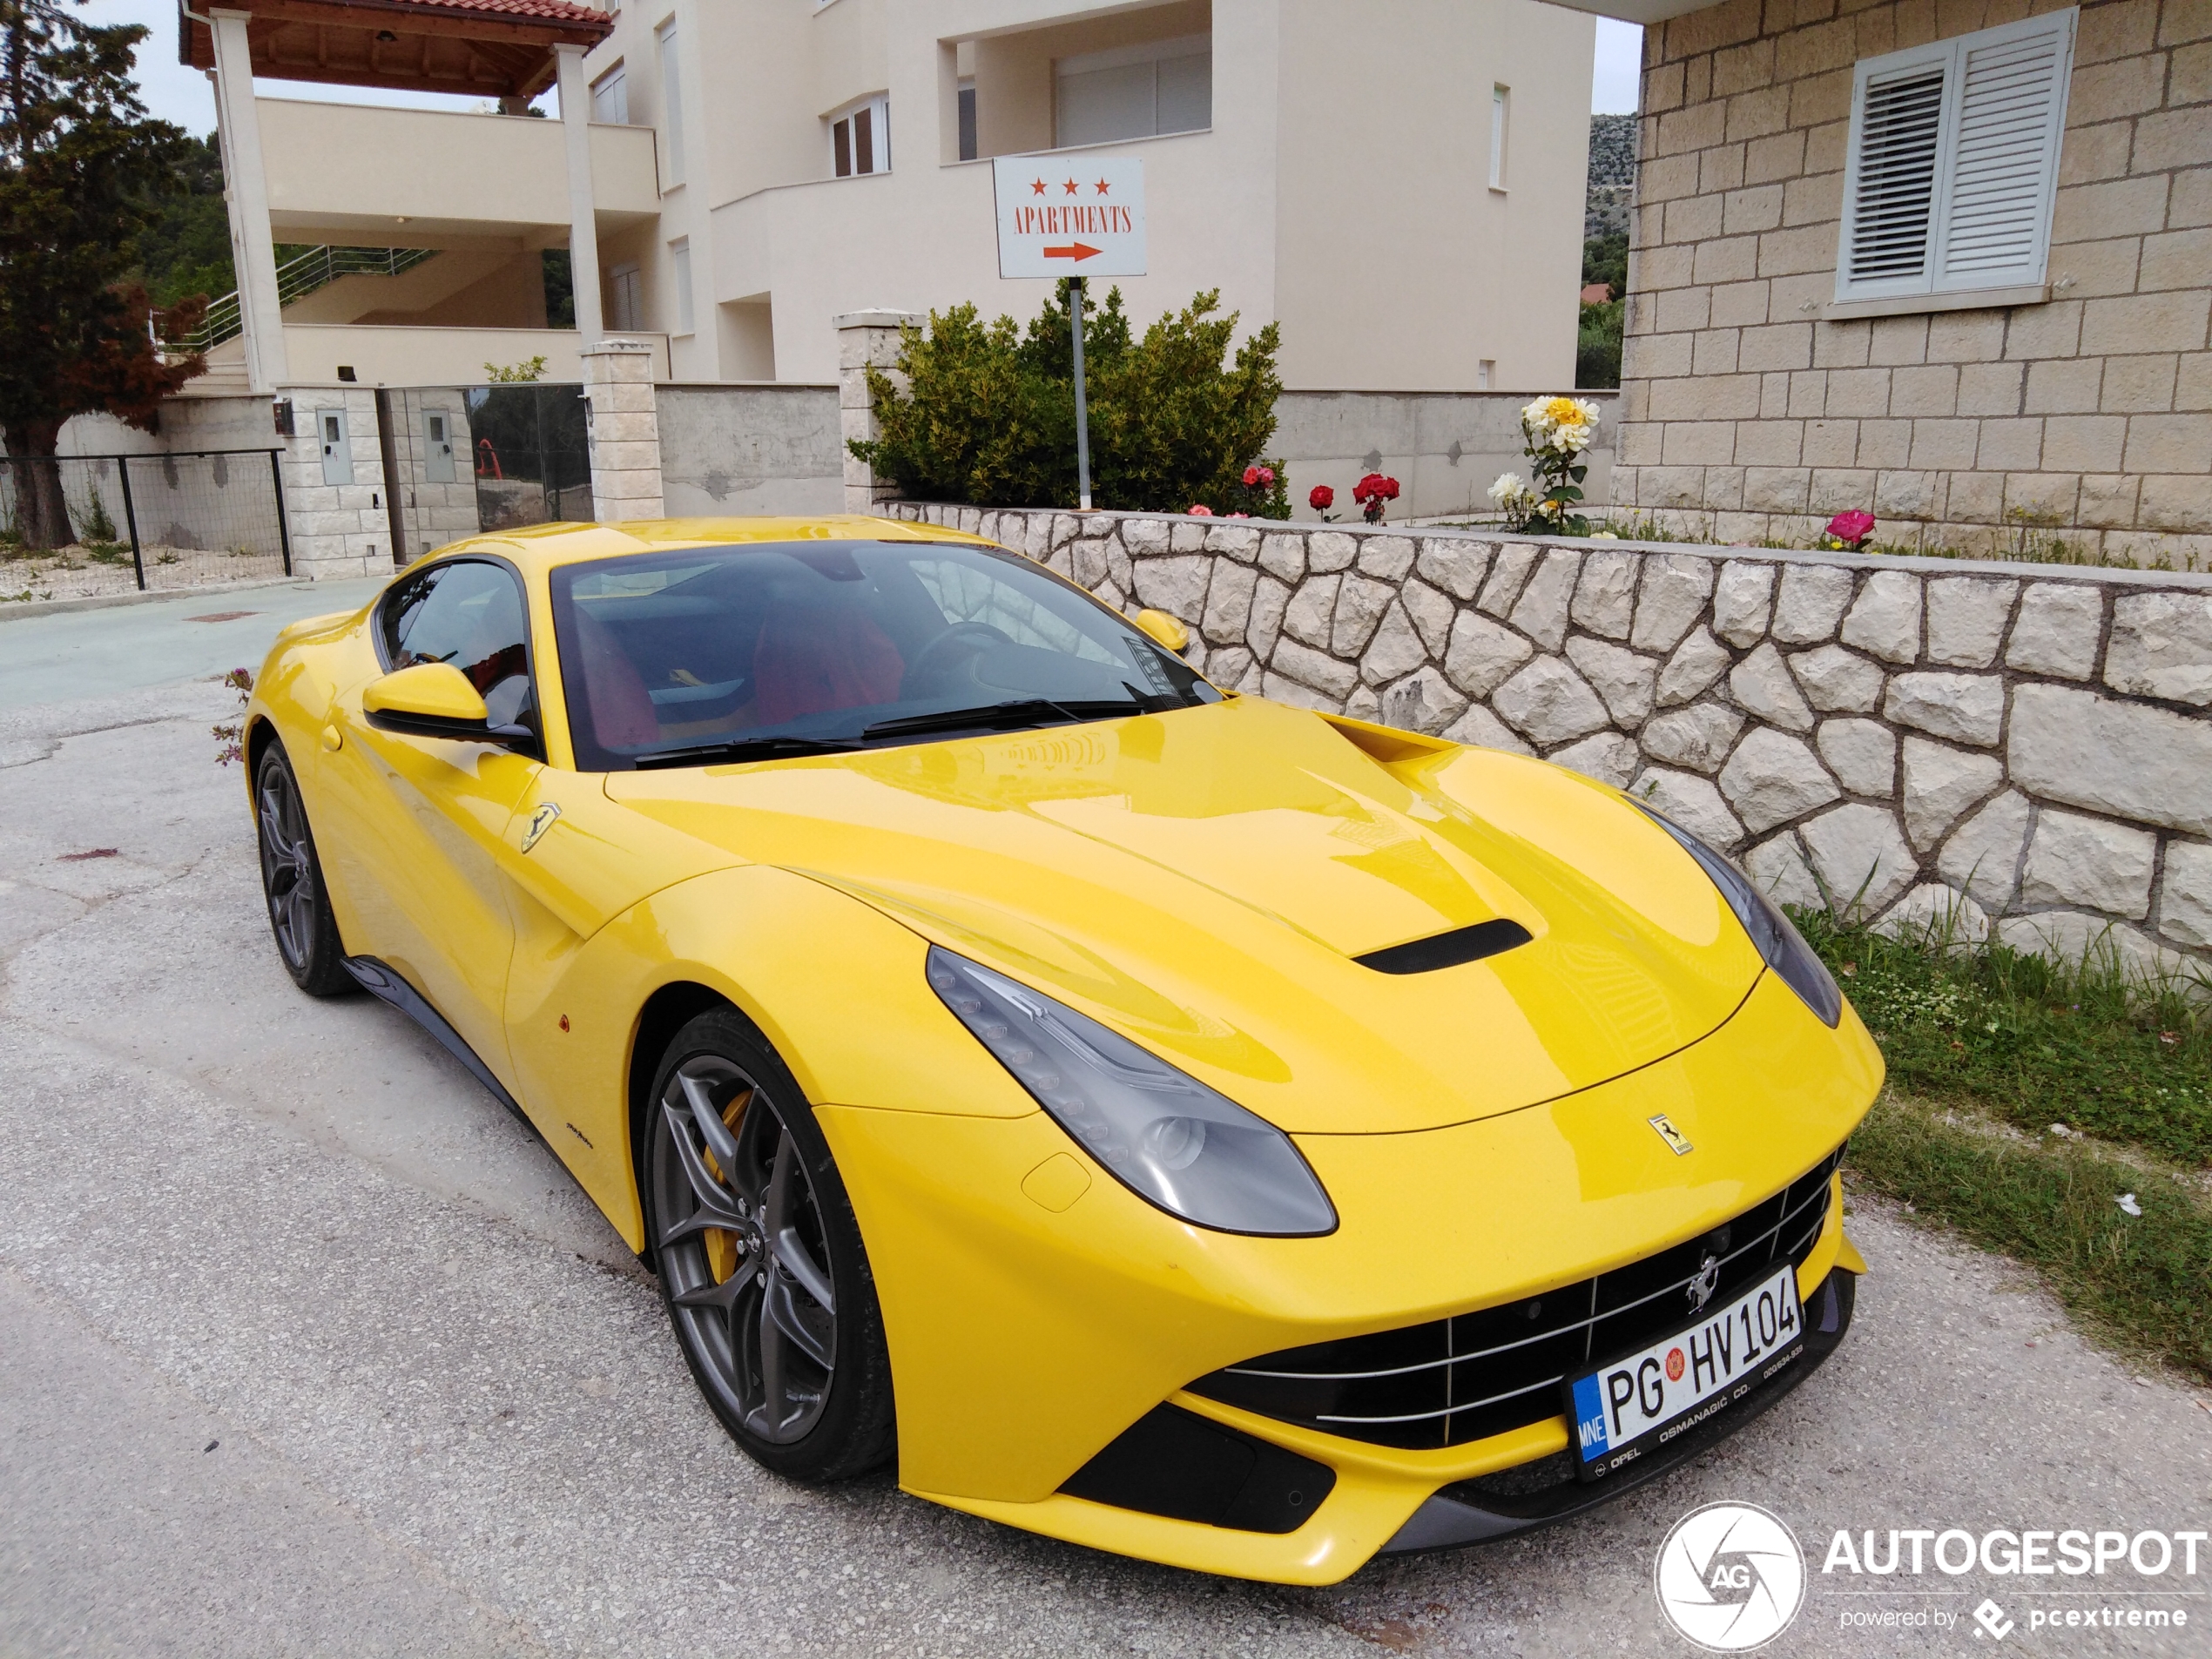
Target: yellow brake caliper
x=722 y=1244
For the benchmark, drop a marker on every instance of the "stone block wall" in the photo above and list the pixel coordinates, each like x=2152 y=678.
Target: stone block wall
x=1749 y=413
x=2022 y=747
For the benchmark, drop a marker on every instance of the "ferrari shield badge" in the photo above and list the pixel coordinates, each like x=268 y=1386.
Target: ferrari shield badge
x=542 y=820
x=1677 y=1141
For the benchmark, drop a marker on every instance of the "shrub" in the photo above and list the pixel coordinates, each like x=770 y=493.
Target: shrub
x=987 y=413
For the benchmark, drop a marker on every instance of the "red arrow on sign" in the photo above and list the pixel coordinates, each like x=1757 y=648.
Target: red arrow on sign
x=1073 y=250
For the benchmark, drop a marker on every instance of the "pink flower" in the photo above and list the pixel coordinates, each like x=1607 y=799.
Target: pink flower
x=1240 y=514
x=1851 y=528
x=1199 y=510
x=1321 y=498
x=1267 y=477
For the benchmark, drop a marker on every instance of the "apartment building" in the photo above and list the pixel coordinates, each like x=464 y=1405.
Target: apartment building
x=1398 y=185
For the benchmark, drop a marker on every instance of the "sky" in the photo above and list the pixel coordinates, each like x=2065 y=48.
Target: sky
x=176 y=93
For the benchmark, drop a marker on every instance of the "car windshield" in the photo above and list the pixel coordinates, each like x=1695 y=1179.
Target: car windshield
x=700 y=655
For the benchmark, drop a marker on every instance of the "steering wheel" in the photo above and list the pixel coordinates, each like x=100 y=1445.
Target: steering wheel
x=932 y=663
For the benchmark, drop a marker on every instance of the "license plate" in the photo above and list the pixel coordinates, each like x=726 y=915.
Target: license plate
x=1643 y=1400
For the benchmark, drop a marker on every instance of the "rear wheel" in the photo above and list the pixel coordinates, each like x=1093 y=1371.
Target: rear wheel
x=299 y=912
x=760 y=1259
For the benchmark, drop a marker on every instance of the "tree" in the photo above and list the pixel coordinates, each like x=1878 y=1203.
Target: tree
x=84 y=174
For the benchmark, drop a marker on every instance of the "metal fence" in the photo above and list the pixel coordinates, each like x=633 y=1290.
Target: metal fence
x=176 y=520
x=531 y=453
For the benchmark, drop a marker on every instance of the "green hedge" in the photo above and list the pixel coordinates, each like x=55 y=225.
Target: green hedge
x=987 y=416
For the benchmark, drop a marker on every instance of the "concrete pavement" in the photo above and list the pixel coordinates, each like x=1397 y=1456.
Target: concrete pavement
x=446 y=1415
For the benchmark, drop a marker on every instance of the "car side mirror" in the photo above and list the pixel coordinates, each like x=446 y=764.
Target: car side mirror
x=431 y=699
x=1160 y=626
x=436 y=700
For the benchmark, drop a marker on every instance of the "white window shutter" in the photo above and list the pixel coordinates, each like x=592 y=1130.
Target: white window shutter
x=1891 y=179
x=1994 y=230
x=1953 y=163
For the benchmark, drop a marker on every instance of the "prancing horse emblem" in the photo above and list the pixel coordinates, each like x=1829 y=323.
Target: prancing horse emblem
x=1700 y=1288
x=541 y=821
x=1677 y=1141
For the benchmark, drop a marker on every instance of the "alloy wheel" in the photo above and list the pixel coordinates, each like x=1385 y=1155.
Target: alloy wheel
x=742 y=1249
x=287 y=867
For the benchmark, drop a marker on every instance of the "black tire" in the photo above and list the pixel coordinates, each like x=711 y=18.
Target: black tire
x=776 y=1312
x=299 y=912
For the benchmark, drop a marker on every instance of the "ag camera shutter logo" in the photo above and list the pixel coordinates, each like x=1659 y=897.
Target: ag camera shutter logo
x=1729 y=1577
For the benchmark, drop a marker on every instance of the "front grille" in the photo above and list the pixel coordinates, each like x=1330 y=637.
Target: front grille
x=1478 y=1374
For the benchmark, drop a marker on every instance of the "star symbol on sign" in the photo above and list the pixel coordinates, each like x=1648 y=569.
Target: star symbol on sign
x=1102 y=186
x=1073 y=187
x=1037 y=188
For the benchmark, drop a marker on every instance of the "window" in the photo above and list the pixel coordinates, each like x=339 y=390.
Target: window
x=968 y=119
x=679 y=253
x=1953 y=163
x=629 y=308
x=1501 y=109
x=467 y=612
x=671 y=97
x=698 y=654
x=610 y=98
x=1134 y=92
x=1485 y=374
x=860 y=138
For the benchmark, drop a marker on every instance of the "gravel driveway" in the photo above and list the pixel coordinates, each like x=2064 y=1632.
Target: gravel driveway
x=305 y=1347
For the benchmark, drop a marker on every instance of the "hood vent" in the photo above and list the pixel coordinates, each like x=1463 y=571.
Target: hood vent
x=1448 y=950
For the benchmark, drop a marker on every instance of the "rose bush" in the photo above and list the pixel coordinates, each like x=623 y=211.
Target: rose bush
x=1374 y=493
x=1555 y=432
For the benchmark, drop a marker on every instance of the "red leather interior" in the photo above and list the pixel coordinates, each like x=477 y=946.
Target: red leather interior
x=621 y=710
x=812 y=659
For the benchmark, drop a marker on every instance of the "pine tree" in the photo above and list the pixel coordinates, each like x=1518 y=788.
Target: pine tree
x=83 y=171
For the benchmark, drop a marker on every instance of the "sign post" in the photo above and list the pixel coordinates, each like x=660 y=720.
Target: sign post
x=1056 y=219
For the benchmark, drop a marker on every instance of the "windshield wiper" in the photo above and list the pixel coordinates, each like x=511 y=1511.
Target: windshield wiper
x=1000 y=717
x=763 y=748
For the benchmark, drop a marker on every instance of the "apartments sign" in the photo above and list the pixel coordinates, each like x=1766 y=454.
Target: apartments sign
x=1065 y=216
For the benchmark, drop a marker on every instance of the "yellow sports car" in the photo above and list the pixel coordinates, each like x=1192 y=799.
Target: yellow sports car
x=1194 y=1127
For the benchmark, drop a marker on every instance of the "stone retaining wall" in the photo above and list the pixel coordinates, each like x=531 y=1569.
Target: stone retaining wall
x=2019 y=745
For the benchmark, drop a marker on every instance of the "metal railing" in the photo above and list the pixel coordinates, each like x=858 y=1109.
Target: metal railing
x=190 y=517
x=299 y=277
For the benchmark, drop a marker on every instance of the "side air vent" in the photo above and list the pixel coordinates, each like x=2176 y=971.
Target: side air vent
x=1448 y=950
x=1176 y=1463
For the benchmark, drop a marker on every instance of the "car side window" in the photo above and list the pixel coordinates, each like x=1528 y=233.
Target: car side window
x=467 y=613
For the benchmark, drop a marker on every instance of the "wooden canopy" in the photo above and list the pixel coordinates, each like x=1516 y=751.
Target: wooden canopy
x=497 y=49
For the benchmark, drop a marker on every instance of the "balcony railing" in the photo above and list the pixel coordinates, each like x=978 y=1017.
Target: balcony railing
x=299 y=276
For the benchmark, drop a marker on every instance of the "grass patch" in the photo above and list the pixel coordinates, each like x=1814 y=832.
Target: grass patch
x=2032 y=1040
x=2141 y=1283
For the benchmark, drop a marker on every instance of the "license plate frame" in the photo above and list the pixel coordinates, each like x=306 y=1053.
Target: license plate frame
x=1746 y=1343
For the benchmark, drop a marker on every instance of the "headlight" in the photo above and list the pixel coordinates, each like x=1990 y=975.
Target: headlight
x=1164 y=1134
x=1777 y=937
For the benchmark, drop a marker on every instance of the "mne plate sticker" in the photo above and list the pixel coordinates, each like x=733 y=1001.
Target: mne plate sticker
x=1643 y=1400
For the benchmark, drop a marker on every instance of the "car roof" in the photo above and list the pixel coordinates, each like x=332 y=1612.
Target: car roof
x=537 y=548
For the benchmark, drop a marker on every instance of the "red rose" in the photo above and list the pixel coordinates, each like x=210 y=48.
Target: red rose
x=1322 y=498
x=1252 y=476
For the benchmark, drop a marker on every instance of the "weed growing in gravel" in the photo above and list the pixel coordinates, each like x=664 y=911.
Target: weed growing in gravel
x=2141 y=1280
x=2031 y=1039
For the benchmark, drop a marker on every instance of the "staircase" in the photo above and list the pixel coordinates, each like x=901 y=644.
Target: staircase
x=299 y=277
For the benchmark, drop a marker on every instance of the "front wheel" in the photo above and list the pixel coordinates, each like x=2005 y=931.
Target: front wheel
x=299 y=912
x=760 y=1259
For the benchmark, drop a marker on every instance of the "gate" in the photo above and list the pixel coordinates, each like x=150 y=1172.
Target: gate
x=529 y=451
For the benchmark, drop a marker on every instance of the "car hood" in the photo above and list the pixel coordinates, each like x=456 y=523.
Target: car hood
x=1203 y=878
